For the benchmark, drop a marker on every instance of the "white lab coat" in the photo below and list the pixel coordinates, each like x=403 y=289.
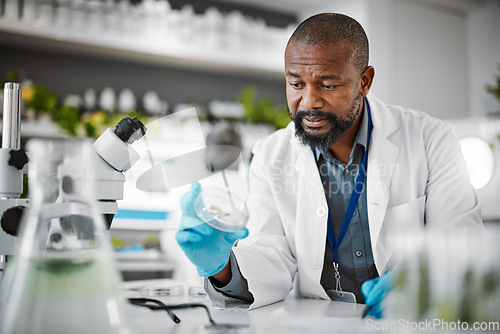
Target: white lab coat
x=416 y=175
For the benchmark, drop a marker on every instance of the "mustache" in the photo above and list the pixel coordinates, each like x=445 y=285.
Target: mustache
x=300 y=114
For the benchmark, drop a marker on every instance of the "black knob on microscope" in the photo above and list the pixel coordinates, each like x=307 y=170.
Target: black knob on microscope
x=130 y=129
x=18 y=159
x=11 y=219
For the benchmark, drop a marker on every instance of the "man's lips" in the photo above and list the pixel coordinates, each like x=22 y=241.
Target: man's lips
x=314 y=122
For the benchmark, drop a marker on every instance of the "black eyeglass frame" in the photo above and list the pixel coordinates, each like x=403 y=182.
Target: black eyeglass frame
x=156 y=305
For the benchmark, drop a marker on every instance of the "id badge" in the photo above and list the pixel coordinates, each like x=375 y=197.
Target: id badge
x=341 y=296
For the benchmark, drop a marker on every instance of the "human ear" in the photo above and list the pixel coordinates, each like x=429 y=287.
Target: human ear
x=367 y=80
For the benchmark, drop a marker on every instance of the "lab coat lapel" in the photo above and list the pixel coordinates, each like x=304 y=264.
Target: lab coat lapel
x=382 y=158
x=312 y=214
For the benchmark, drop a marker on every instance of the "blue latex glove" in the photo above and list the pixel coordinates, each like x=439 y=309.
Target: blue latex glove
x=206 y=247
x=374 y=291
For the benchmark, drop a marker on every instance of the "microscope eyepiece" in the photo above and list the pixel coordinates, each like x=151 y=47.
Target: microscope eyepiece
x=130 y=129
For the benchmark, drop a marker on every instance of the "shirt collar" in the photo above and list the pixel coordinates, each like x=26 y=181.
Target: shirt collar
x=361 y=136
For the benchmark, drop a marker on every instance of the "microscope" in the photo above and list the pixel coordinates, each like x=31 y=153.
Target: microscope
x=114 y=156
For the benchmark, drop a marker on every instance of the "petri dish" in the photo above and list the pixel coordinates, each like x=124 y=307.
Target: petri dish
x=221 y=209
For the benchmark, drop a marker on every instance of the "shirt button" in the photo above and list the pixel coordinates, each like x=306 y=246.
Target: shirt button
x=354 y=213
x=346 y=171
x=317 y=264
x=359 y=253
x=321 y=211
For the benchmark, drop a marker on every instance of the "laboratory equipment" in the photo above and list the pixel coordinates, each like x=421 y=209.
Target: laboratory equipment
x=221 y=209
x=187 y=168
x=63 y=278
x=162 y=290
x=479 y=139
x=448 y=275
x=12 y=164
x=206 y=247
x=114 y=156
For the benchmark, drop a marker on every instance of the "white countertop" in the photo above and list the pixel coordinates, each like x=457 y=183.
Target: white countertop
x=289 y=316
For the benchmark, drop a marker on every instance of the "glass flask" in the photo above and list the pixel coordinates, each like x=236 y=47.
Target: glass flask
x=63 y=278
x=451 y=275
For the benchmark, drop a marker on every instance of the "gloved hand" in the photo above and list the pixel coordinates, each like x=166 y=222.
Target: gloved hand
x=374 y=291
x=206 y=247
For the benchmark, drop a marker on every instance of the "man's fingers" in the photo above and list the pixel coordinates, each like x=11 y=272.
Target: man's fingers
x=186 y=236
x=376 y=311
x=187 y=201
x=196 y=226
x=367 y=286
x=188 y=222
x=377 y=293
x=241 y=234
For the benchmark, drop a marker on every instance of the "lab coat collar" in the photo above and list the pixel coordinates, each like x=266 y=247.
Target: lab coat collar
x=382 y=120
x=382 y=160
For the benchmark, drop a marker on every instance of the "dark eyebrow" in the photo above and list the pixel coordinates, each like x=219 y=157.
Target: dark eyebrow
x=328 y=77
x=321 y=77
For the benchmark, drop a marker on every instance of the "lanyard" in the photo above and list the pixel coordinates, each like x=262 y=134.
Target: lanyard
x=353 y=202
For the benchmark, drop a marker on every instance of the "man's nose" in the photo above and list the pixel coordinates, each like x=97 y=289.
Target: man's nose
x=311 y=99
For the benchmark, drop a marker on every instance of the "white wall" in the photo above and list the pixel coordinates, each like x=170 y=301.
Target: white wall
x=357 y=9
x=483 y=34
x=381 y=35
x=430 y=59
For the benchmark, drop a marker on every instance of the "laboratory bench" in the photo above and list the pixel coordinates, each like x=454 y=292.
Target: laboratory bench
x=293 y=315
x=290 y=316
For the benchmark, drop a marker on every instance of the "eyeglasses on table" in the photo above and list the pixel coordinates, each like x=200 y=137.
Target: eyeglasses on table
x=156 y=305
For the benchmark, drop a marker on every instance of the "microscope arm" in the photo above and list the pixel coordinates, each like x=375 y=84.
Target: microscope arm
x=115 y=156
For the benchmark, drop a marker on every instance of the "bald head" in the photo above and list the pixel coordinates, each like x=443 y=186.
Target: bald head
x=330 y=28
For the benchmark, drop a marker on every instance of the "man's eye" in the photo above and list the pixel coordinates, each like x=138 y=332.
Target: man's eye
x=296 y=85
x=329 y=86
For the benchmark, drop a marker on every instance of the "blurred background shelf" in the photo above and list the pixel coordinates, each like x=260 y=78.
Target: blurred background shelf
x=39 y=129
x=143 y=51
x=142 y=225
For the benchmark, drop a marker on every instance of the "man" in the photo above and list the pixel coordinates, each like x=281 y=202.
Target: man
x=326 y=192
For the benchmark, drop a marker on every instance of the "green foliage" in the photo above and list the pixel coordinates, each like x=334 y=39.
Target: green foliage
x=423 y=289
x=495 y=88
x=150 y=240
x=119 y=243
x=90 y=130
x=43 y=100
x=263 y=111
x=68 y=118
x=39 y=98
